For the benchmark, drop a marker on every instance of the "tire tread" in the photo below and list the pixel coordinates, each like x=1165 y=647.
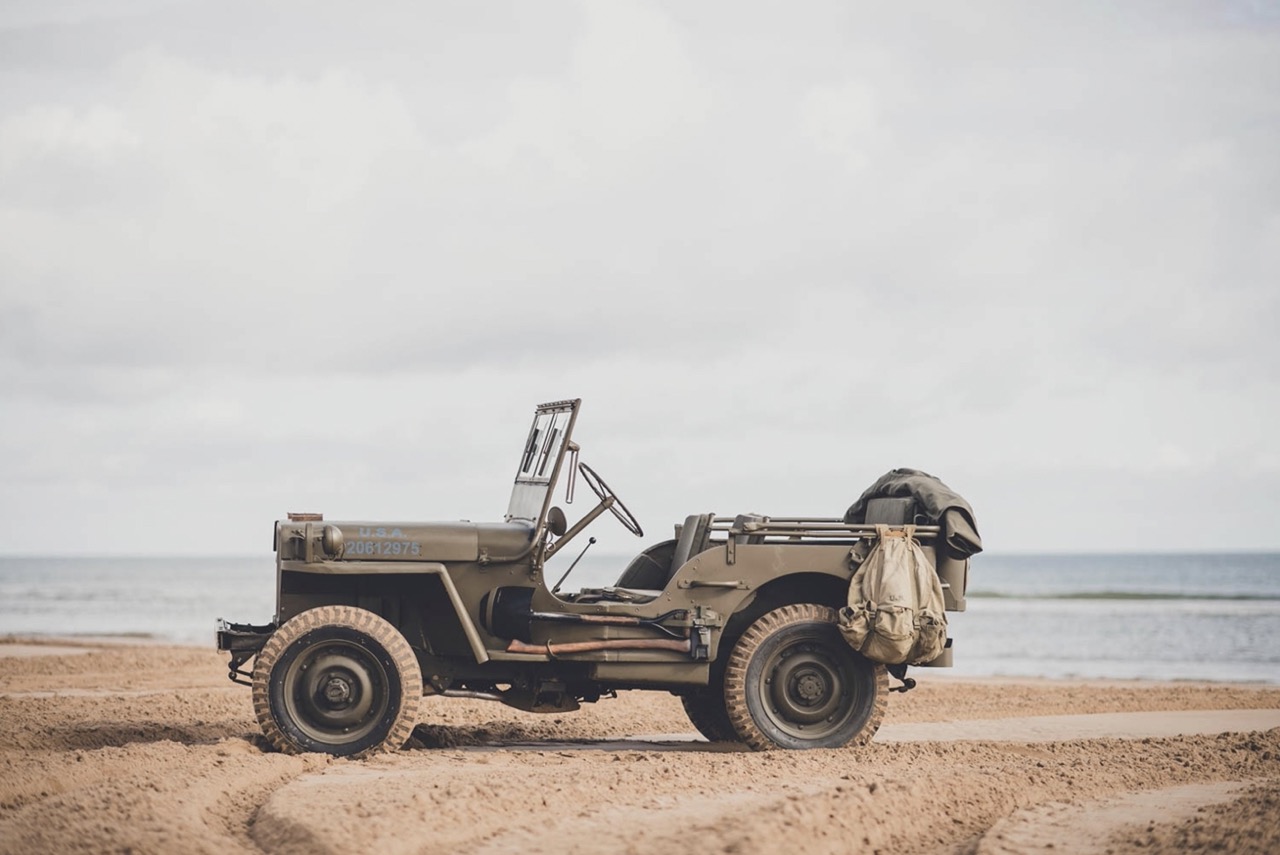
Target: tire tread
x=708 y=715
x=735 y=677
x=365 y=621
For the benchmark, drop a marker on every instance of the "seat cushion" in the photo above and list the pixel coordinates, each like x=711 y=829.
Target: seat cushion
x=891 y=511
x=645 y=573
x=693 y=539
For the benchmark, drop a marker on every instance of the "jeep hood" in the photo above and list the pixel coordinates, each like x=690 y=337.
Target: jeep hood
x=406 y=541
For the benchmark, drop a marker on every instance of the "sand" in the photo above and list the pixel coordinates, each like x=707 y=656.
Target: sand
x=138 y=748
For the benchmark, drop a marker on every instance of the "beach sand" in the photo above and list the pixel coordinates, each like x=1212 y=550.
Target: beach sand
x=151 y=749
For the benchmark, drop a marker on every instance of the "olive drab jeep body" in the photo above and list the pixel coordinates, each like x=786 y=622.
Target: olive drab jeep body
x=735 y=614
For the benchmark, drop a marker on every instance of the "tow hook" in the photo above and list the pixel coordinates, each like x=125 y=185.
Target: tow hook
x=899 y=672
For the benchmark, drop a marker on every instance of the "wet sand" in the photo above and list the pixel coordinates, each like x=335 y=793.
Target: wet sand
x=152 y=749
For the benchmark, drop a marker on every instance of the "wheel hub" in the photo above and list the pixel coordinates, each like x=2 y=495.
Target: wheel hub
x=806 y=688
x=337 y=691
x=810 y=687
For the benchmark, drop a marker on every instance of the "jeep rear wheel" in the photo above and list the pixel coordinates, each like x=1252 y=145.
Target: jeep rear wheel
x=793 y=682
x=707 y=712
x=338 y=680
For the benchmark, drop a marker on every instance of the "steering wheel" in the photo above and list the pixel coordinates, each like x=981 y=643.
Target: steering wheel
x=601 y=489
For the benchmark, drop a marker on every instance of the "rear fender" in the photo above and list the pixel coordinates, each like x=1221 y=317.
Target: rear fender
x=812 y=587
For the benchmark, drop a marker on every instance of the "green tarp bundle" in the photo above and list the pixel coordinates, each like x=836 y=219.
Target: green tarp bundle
x=935 y=500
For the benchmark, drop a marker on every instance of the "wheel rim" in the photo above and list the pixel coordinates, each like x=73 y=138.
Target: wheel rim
x=336 y=692
x=807 y=690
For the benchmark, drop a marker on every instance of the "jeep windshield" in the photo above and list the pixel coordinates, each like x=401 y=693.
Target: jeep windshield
x=540 y=459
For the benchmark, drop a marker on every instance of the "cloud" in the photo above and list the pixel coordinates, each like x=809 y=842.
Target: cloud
x=96 y=134
x=339 y=258
x=844 y=120
x=302 y=144
x=231 y=226
x=631 y=93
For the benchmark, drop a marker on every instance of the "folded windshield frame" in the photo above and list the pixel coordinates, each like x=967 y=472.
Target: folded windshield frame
x=541 y=457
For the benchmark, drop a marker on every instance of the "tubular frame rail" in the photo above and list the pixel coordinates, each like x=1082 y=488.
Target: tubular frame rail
x=792 y=529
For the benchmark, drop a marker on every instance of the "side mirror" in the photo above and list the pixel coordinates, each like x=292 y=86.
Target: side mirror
x=557 y=524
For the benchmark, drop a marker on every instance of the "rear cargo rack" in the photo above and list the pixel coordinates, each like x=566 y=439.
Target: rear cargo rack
x=790 y=529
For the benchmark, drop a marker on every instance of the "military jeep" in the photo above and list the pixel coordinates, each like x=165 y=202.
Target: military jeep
x=735 y=615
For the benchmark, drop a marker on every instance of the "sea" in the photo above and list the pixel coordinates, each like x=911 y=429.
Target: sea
x=1213 y=617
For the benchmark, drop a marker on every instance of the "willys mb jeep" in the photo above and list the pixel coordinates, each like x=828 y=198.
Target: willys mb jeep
x=735 y=615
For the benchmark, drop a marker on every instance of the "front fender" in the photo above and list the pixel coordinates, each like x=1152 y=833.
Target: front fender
x=332 y=572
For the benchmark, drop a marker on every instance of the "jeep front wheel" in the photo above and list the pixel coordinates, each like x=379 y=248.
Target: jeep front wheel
x=793 y=682
x=338 y=680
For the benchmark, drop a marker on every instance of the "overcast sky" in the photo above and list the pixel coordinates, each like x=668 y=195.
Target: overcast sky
x=261 y=257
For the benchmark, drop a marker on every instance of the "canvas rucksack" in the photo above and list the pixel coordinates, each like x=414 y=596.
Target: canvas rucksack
x=895 y=613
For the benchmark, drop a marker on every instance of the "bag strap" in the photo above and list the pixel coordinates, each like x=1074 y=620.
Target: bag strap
x=882 y=531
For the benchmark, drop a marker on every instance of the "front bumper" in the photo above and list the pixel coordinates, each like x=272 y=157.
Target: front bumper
x=242 y=641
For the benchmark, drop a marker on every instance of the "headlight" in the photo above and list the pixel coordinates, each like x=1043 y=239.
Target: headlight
x=331 y=537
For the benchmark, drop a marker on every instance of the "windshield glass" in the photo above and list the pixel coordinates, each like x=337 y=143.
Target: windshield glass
x=540 y=459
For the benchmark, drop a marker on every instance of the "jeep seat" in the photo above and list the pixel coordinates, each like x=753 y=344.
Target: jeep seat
x=645 y=578
x=693 y=539
x=740 y=523
x=891 y=511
